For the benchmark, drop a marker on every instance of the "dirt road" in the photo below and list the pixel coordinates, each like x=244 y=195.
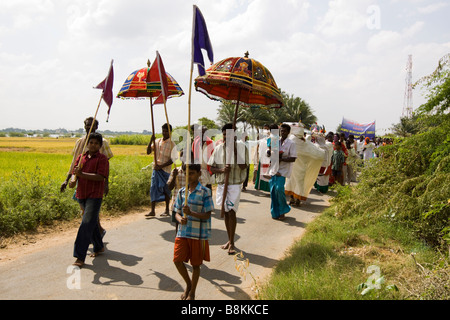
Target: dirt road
x=138 y=263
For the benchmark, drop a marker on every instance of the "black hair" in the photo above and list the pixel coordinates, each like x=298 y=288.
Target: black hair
x=91 y=119
x=286 y=126
x=97 y=136
x=227 y=126
x=165 y=126
x=193 y=166
x=273 y=126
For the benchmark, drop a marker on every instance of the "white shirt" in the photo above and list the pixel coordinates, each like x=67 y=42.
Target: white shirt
x=359 y=146
x=289 y=150
x=368 y=152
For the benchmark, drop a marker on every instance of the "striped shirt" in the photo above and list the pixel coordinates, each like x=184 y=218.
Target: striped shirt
x=199 y=200
x=163 y=152
x=181 y=182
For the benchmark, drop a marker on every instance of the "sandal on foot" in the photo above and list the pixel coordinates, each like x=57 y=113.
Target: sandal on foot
x=78 y=263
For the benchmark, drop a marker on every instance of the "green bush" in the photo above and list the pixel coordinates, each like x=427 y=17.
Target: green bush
x=129 y=185
x=135 y=139
x=30 y=199
x=409 y=184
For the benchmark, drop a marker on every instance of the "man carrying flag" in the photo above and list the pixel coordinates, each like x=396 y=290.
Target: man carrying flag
x=91 y=126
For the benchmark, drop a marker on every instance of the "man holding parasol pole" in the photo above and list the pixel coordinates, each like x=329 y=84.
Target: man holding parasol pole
x=229 y=161
x=155 y=82
x=246 y=82
x=159 y=190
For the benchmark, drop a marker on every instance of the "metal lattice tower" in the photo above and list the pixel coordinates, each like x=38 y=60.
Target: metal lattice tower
x=408 y=101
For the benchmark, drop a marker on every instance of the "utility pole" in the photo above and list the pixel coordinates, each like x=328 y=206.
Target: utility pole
x=408 y=100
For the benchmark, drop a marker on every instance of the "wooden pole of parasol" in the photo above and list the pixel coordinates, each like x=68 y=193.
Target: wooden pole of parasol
x=227 y=174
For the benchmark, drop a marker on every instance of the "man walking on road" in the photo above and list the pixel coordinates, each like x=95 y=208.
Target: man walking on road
x=235 y=165
x=78 y=149
x=287 y=155
x=161 y=169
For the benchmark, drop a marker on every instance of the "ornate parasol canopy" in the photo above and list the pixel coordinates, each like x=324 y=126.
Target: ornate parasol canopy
x=242 y=80
x=139 y=85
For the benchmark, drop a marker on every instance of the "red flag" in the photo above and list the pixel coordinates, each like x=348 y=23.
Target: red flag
x=158 y=73
x=107 y=86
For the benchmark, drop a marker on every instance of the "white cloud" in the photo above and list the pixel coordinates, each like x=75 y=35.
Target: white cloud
x=343 y=18
x=383 y=41
x=324 y=54
x=432 y=7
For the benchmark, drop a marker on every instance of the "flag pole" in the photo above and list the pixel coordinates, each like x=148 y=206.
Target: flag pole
x=74 y=178
x=188 y=137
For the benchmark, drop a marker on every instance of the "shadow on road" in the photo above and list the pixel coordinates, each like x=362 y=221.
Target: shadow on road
x=225 y=282
x=102 y=268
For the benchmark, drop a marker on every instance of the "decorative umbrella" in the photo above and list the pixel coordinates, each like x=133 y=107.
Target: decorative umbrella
x=244 y=81
x=142 y=84
x=138 y=85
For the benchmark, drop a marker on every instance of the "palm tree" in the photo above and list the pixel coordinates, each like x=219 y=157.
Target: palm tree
x=294 y=110
x=226 y=112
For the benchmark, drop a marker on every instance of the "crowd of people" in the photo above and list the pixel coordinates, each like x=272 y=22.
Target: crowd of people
x=345 y=155
x=287 y=164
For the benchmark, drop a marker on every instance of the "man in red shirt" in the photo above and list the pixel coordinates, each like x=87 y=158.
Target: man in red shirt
x=91 y=168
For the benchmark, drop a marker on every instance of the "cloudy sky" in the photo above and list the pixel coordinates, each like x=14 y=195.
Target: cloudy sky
x=344 y=58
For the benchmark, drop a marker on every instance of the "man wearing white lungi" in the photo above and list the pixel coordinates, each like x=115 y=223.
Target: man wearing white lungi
x=235 y=164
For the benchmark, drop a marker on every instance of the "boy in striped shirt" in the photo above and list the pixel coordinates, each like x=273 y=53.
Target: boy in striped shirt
x=194 y=229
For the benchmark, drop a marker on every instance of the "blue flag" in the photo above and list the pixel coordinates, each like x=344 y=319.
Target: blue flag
x=200 y=40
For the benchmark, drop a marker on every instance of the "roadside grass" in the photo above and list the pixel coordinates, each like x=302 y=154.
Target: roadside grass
x=357 y=258
x=31 y=173
x=388 y=237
